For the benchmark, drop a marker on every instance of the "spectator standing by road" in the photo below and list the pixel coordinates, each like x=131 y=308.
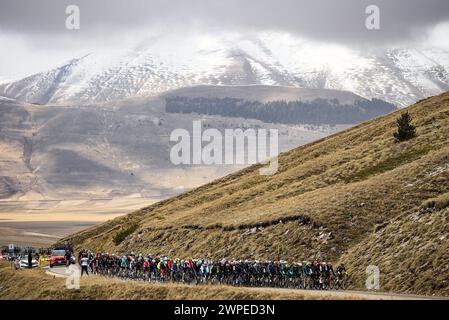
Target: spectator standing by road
x=84 y=264
x=68 y=258
x=30 y=259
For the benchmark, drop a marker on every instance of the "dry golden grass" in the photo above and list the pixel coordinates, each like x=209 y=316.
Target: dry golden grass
x=36 y=285
x=438 y=203
x=326 y=198
x=412 y=253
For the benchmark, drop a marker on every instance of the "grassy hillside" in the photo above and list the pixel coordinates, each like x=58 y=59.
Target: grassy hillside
x=352 y=196
x=412 y=253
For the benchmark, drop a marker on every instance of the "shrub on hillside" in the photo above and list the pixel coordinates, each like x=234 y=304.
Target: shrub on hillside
x=406 y=130
x=437 y=203
x=121 y=235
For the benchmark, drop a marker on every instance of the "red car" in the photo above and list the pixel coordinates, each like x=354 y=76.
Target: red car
x=58 y=258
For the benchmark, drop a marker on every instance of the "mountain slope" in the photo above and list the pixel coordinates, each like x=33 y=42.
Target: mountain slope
x=264 y=93
x=400 y=76
x=123 y=149
x=328 y=199
x=275 y=104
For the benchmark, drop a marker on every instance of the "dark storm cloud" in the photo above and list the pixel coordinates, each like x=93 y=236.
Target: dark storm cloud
x=332 y=20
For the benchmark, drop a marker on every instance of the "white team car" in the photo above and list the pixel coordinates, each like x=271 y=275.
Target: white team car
x=22 y=262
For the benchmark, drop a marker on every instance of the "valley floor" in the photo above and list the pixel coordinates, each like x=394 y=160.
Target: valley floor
x=42 y=223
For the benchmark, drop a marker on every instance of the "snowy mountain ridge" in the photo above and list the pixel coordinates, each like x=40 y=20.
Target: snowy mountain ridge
x=399 y=75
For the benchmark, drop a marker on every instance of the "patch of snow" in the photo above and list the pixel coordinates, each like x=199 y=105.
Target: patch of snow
x=2 y=98
x=400 y=75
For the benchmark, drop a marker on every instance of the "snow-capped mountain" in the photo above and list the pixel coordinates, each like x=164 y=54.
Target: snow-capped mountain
x=399 y=75
x=6 y=99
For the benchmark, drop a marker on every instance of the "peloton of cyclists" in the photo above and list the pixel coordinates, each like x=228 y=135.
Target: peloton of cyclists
x=306 y=275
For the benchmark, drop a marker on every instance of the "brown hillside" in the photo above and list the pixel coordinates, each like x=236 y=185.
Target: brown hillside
x=327 y=199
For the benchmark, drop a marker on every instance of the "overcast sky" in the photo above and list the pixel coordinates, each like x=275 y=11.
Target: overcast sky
x=33 y=36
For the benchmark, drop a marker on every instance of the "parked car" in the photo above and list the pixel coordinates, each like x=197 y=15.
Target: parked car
x=22 y=262
x=58 y=258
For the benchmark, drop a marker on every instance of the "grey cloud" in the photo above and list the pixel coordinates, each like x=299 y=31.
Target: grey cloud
x=331 y=20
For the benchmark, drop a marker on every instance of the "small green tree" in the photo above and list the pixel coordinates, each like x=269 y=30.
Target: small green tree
x=406 y=130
